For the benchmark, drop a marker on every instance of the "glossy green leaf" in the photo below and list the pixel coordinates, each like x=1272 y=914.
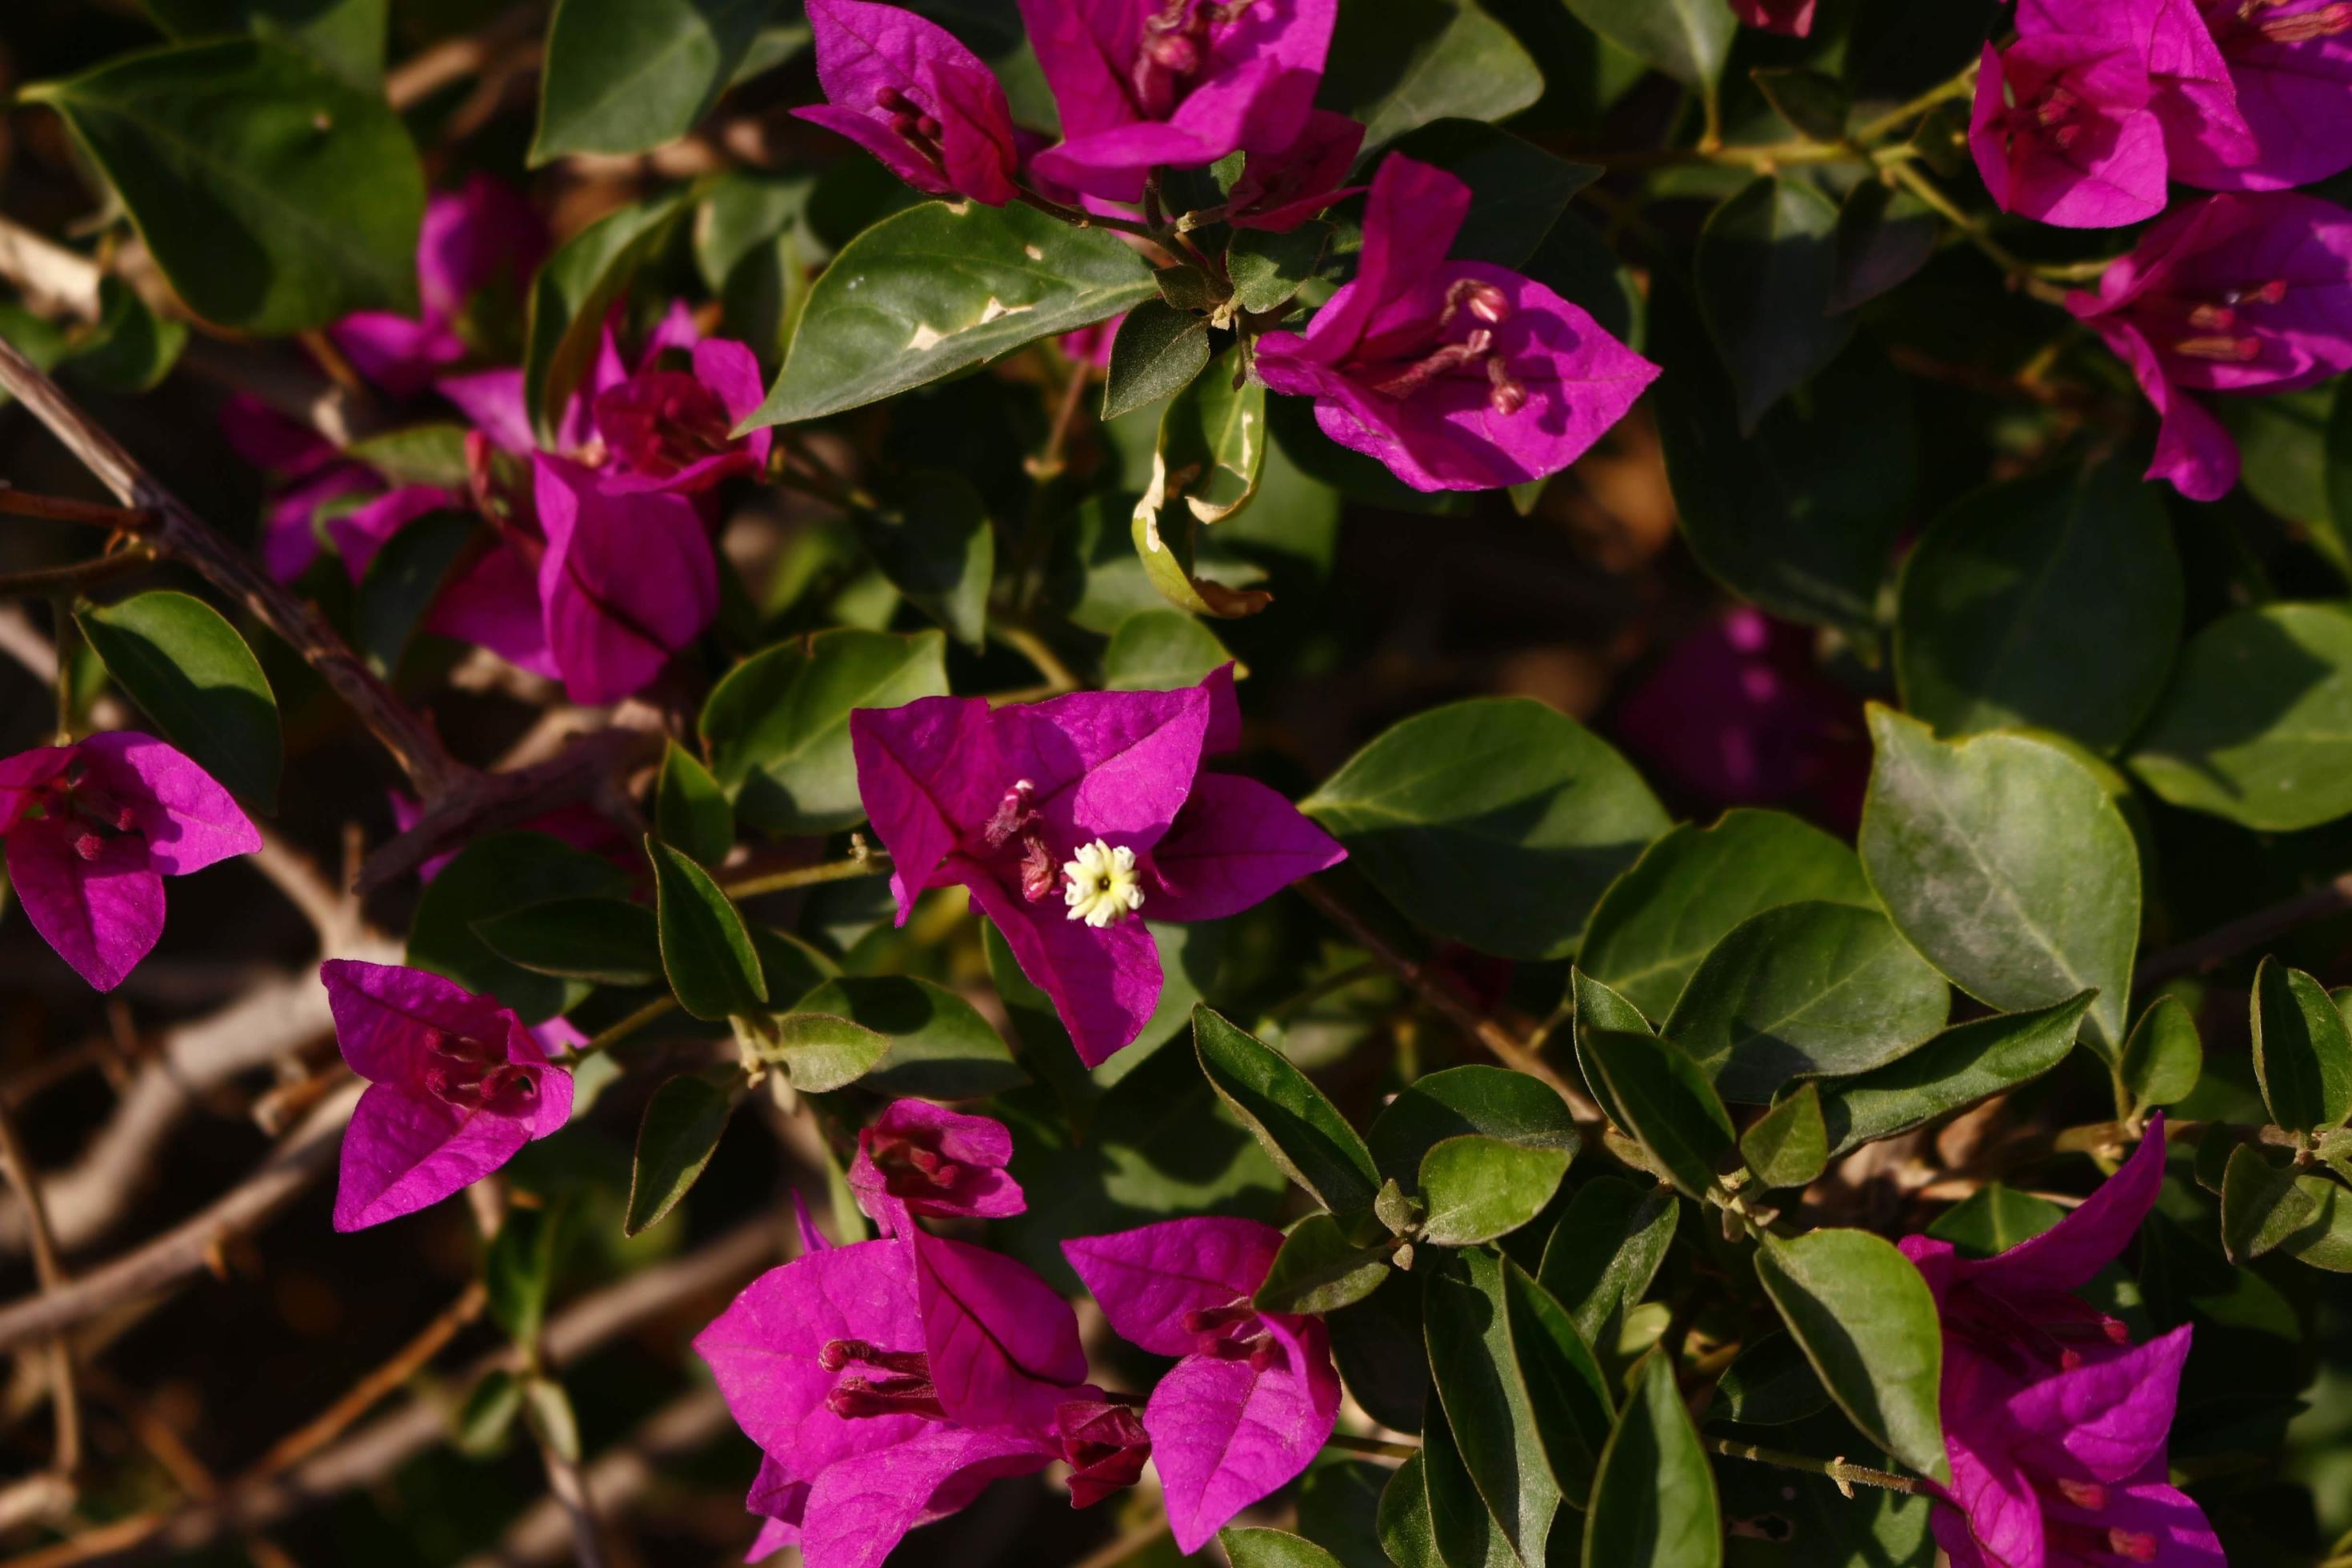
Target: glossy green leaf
x=491 y=877
x=1769 y=1384
x=1268 y=268
x=347 y=36
x=274 y=193
x=1965 y=1064
x=1995 y=1218
x=776 y=727
x=1498 y=1103
x=2007 y=864
x=1805 y=988
x=941 y=1047
x=1160 y=650
x=1653 y=1503
x=1465 y=1533
x=2256 y=726
x=1498 y=821
x=1407 y=1533
x=2302 y=1052
x=2262 y=1204
x=1598 y=1007
x=680 y=1134
x=2052 y=601
x=1815 y=104
x=189 y=672
x=1763 y=271
x=1566 y=1391
x=1518 y=191
x=690 y=811
x=816 y=1051
x=2164 y=1058
x=1476 y=1371
x=131 y=348
x=624 y=76
x=1868 y=1324
x=1687 y=39
x=571 y=296
x=1788 y=1144
x=607 y=941
x=1605 y=1250
x=792 y=966
x=1476 y=1188
x=1321 y=1269
x=1158 y=349
x=1302 y=1131
x=2323 y=1238
x=705 y=950
x=933 y=542
x=889 y=315
x=1261 y=1548
x=1405 y=63
x=1691 y=887
x=1667 y=1102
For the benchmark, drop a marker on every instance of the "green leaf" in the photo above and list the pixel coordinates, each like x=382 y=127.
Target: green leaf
x=1653 y=1502
x=491 y=877
x=1687 y=39
x=1261 y=1548
x=1320 y=1270
x=941 y=1047
x=2262 y=1204
x=776 y=727
x=933 y=542
x=1517 y=190
x=2337 y=478
x=1210 y=453
x=1868 y=1324
x=2303 y=1053
x=547 y=1410
x=675 y=1141
x=818 y=1052
x=2007 y=864
x=624 y=76
x=1302 y=1131
x=1963 y=1065
x=401 y=581
x=2323 y=1239
x=1605 y=1250
x=1404 y=63
x=936 y=289
x=1763 y=271
x=1160 y=650
x=792 y=966
x=606 y=941
x=521 y=1271
x=1566 y=1391
x=1407 y=1532
x=347 y=36
x=1491 y=1100
x=1497 y=822
x=690 y=811
x=480 y=1426
x=2164 y=1058
x=1474 y=1369
x=2052 y=601
x=1816 y=105
x=274 y=193
x=1268 y=268
x=1769 y=1384
x=1477 y=1188
x=2282 y=456
x=1691 y=887
x=571 y=296
x=1787 y=1145
x=1885 y=234
x=1598 y=1007
x=1994 y=1219
x=1805 y=988
x=1158 y=351
x=1667 y=1102
x=131 y=349
x=432 y=453
x=2256 y=726
x=705 y=950
x=191 y=673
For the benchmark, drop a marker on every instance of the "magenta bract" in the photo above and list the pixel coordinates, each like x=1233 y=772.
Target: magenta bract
x=668 y=430
x=2061 y=132
x=905 y=89
x=922 y=1159
x=1279 y=191
x=2290 y=62
x=477 y=249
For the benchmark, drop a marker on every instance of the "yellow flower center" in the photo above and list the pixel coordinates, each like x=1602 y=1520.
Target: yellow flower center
x=1104 y=887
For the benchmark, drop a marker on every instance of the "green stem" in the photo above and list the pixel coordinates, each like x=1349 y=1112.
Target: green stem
x=2020 y=272
x=1038 y=652
x=1847 y=1476
x=1078 y=218
x=1960 y=85
x=613 y=1034
x=1371 y=1446
x=866 y=863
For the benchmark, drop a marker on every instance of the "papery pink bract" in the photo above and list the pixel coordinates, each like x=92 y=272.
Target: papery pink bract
x=1142 y=83
x=306 y=471
x=2228 y=294
x=1003 y=1346
x=456 y=1086
x=2190 y=88
x=92 y=828
x=359 y=533
x=1105 y=1445
x=668 y=430
x=920 y=1158
x=2291 y=64
x=477 y=248
x=2061 y=132
x=1279 y=191
x=907 y=91
x=1457 y=374
x=1794 y=18
x=1253 y=1398
x=627 y=581
x=1003 y=800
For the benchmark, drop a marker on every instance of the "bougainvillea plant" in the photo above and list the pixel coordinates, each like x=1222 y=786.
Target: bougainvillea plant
x=1294 y=784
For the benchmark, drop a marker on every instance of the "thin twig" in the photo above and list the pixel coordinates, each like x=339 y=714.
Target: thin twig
x=370 y=1391
x=1847 y=1476
x=75 y=575
x=2224 y=943
x=613 y=1034
x=867 y=863
x=569 y=1488
x=63 y=1404
x=483 y=802
x=1371 y=1446
x=64 y=509
x=619 y=1478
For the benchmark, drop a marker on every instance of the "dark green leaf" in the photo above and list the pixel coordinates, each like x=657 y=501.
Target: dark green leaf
x=1575 y=262
x=131 y=349
x=1963 y=1065
x=2257 y=724
x=521 y=1271
x=705 y=950
x=1691 y=887
x=1771 y=1383
x=2337 y=474
x=1598 y=1007
x=1566 y=1391
x=934 y=544
x=1787 y=1145
x=1653 y=1502
x=193 y=675
x=1805 y=988
x=2324 y=1240
x=1815 y=104
x=1268 y=268
x=1605 y=1250
x=1320 y=1270
x=274 y=193
x=690 y=811
x=574 y=292
x=1687 y=39
x=1158 y=349
x=1304 y=1133
x=776 y=727
x=1466 y=1532
x=2052 y=601
x=818 y=1052
x=1667 y=1102
x=547 y=1410
x=1509 y=1106
x=1407 y=1533
x=1994 y=1219
x=1869 y=1326
x=1477 y=1188
x=2282 y=456
x=1497 y=822
x=1517 y=189
x=2262 y=1204
x=2006 y=863
x=491 y=877
x=1763 y=271
x=1338 y=1506
x=2303 y=1053
x=792 y=966
x=624 y=76
x=1160 y=650
x=941 y=1047
x=1885 y=234
x=938 y=287
x=607 y=941
x=401 y=581
x=482 y=1421
x=345 y=36
x=1476 y=1371
x=1210 y=453
x=2164 y=1058
x=680 y=1132
x=1260 y=1548
x=1404 y=63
